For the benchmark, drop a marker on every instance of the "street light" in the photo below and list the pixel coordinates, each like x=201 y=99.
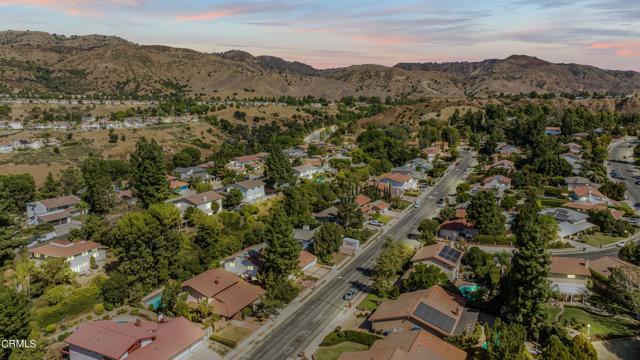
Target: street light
x=589 y=331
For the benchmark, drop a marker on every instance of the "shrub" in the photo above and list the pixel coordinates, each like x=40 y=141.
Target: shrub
x=339 y=336
x=224 y=341
x=108 y=306
x=51 y=328
x=98 y=309
x=64 y=335
x=89 y=317
x=79 y=301
x=134 y=312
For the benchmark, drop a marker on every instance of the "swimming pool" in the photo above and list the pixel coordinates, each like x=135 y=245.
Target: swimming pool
x=154 y=301
x=468 y=290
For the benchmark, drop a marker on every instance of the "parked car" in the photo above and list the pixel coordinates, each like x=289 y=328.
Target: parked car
x=376 y=223
x=350 y=294
x=416 y=204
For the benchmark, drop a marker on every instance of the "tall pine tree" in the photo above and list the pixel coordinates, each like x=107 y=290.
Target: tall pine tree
x=527 y=290
x=281 y=255
x=148 y=172
x=99 y=194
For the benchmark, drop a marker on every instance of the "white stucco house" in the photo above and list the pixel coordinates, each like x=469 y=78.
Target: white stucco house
x=252 y=190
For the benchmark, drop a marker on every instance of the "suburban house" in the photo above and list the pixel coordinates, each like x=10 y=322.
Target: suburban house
x=434 y=310
x=416 y=168
x=304 y=236
x=570 y=222
x=569 y=275
x=398 y=182
x=501 y=164
x=307 y=171
x=177 y=186
x=603 y=266
x=410 y=345
x=362 y=200
x=574 y=148
x=499 y=183
x=587 y=194
x=252 y=190
x=441 y=255
x=574 y=160
x=188 y=173
x=226 y=293
x=573 y=181
x=139 y=340
x=202 y=201
x=77 y=254
x=507 y=150
x=553 y=131
x=126 y=197
x=245 y=263
x=457 y=229
x=248 y=163
x=306 y=260
x=6 y=148
x=375 y=207
x=55 y=211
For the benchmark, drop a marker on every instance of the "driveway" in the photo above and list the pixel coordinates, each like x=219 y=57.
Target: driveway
x=202 y=353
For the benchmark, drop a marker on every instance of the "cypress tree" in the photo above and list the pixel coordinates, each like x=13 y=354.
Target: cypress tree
x=148 y=172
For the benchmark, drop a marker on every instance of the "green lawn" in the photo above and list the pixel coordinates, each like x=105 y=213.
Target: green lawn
x=553 y=312
x=333 y=352
x=232 y=332
x=598 y=239
x=383 y=218
x=371 y=302
x=601 y=326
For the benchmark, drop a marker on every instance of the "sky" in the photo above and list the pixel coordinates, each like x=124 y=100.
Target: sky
x=335 y=33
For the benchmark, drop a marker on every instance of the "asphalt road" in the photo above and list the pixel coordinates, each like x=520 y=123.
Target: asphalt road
x=621 y=160
x=291 y=336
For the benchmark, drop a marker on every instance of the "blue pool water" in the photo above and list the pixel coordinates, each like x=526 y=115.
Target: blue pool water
x=468 y=290
x=154 y=301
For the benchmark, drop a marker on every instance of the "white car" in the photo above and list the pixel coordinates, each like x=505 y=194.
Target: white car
x=376 y=223
x=416 y=204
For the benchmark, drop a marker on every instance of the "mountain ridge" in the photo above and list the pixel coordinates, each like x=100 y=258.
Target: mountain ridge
x=43 y=62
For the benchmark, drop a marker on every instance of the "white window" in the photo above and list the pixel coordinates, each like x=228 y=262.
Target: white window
x=571 y=276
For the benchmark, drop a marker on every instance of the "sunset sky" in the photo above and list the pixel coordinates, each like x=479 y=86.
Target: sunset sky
x=333 y=33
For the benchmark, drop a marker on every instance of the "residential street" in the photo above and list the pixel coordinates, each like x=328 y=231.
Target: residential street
x=287 y=339
x=621 y=160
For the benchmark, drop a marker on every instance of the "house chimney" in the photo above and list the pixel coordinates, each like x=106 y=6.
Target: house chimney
x=204 y=198
x=138 y=322
x=305 y=227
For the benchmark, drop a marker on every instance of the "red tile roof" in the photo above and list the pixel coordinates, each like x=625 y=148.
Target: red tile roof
x=114 y=339
x=584 y=190
x=362 y=200
x=500 y=178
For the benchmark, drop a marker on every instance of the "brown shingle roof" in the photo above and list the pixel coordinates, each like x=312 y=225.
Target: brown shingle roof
x=604 y=265
x=563 y=265
x=436 y=297
x=408 y=346
x=202 y=198
x=396 y=177
x=55 y=216
x=362 y=200
x=250 y=184
x=584 y=190
x=305 y=258
x=500 y=178
x=433 y=252
x=60 y=201
x=64 y=248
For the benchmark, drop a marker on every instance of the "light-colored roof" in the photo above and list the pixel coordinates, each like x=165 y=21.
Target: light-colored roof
x=562 y=215
x=304 y=167
x=411 y=345
x=114 y=339
x=499 y=178
x=65 y=248
x=568 y=228
x=563 y=265
x=250 y=158
x=60 y=201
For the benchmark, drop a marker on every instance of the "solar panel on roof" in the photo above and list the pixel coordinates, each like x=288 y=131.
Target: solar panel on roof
x=450 y=254
x=434 y=317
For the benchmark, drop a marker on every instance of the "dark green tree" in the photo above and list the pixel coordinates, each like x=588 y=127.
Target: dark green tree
x=423 y=277
x=484 y=213
x=169 y=298
x=428 y=229
x=506 y=341
x=14 y=317
x=527 y=287
x=278 y=169
x=327 y=240
x=50 y=188
x=232 y=198
x=582 y=349
x=16 y=191
x=99 y=193
x=71 y=180
x=281 y=254
x=115 y=289
x=349 y=215
x=148 y=172
x=556 y=350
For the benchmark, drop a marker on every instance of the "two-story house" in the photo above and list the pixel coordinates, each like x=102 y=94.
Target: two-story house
x=58 y=210
x=306 y=171
x=77 y=254
x=191 y=172
x=252 y=190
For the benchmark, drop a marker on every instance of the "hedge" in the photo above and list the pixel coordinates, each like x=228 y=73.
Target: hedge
x=359 y=337
x=79 y=301
x=553 y=202
x=224 y=341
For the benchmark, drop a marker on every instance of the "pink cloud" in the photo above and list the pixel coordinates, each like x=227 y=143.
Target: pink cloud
x=210 y=15
x=87 y=8
x=383 y=40
x=619 y=48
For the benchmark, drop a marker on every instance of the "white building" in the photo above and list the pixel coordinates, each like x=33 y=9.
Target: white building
x=306 y=171
x=252 y=190
x=202 y=201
